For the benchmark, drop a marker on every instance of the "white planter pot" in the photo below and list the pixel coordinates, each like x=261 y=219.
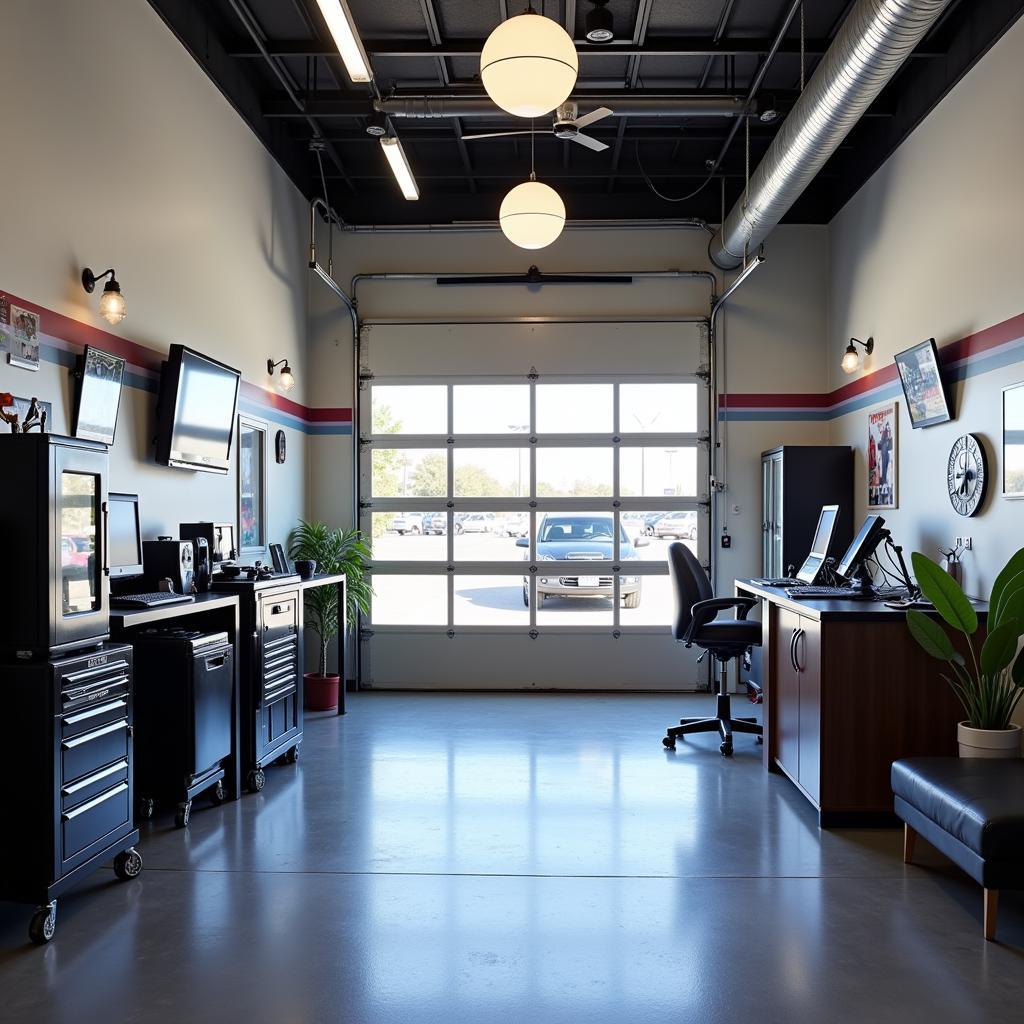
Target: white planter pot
x=988 y=742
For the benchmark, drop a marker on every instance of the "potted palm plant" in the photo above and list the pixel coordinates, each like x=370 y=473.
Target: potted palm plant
x=334 y=551
x=989 y=682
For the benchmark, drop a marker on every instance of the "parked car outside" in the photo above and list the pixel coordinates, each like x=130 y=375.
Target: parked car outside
x=681 y=525
x=517 y=524
x=581 y=536
x=650 y=520
x=407 y=522
x=475 y=522
x=435 y=523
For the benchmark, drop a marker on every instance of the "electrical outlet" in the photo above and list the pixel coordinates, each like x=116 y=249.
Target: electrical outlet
x=726 y=541
x=968 y=543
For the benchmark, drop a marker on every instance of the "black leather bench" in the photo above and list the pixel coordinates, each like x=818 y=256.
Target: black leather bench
x=972 y=810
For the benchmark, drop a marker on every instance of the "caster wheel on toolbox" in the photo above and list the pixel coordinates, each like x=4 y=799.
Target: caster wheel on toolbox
x=128 y=865
x=182 y=814
x=726 y=749
x=292 y=756
x=257 y=780
x=217 y=792
x=43 y=924
x=146 y=806
x=669 y=742
x=760 y=739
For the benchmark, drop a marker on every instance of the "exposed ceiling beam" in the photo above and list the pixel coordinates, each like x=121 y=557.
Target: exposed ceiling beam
x=723 y=24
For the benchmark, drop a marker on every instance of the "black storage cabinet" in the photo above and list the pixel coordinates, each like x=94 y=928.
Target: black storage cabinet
x=183 y=713
x=69 y=808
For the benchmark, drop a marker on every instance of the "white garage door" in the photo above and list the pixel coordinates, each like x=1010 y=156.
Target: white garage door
x=521 y=483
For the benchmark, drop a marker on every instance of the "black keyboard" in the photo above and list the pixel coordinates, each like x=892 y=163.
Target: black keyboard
x=154 y=600
x=843 y=593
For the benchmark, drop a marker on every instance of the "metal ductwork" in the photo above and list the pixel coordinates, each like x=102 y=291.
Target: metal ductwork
x=876 y=38
x=430 y=107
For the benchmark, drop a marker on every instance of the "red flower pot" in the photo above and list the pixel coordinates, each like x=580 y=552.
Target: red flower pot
x=321 y=692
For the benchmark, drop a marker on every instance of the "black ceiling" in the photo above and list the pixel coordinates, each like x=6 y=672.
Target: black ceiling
x=298 y=89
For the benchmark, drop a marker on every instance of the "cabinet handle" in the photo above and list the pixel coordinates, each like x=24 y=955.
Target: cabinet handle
x=792 y=651
x=102 y=798
x=800 y=634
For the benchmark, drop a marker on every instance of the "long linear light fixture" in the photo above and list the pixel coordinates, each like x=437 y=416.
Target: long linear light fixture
x=346 y=38
x=400 y=166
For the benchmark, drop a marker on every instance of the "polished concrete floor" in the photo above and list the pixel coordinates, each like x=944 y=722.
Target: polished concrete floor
x=518 y=858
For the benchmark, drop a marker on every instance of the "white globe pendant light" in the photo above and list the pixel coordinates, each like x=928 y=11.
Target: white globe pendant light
x=528 y=65
x=532 y=215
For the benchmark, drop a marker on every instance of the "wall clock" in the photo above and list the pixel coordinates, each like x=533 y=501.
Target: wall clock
x=966 y=475
x=280 y=446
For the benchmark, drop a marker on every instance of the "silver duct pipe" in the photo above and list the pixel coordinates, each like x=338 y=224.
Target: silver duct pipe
x=432 y=107
x=874 y=41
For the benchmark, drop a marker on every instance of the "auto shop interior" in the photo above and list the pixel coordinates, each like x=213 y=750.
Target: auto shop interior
x=336 y=333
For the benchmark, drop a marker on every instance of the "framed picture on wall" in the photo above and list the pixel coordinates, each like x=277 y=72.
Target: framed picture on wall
x=883 y=456
x=99 y=395
x=1013 y=441
x=252 y=487
x=923 y=386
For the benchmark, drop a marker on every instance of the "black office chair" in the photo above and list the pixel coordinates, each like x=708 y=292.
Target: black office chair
x=695 y=622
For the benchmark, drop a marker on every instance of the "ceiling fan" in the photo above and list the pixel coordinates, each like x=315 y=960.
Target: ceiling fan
x=566 y=126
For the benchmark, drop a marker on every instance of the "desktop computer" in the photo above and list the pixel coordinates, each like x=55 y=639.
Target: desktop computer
x=814 y=565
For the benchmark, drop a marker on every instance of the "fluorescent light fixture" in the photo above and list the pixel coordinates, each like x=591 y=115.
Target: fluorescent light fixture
x=400 y=166
x=346 y=38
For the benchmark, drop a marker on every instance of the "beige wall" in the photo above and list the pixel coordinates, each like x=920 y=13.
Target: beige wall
x=118 y=151
x=772 y=335
x=931 y=247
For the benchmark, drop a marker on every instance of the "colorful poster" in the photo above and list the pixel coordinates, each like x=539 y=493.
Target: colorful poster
x=883 y=474
x=24 y=338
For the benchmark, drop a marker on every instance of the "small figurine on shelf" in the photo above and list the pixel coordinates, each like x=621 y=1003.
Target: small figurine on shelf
x=952 y=564
x=35 y=417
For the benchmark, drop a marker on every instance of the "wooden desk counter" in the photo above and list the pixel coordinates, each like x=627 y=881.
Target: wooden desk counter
x=847 y=691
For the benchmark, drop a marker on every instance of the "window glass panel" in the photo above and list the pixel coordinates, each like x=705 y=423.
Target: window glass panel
x=410 y=536
x=658 y=471
x=410 y=600
x=251 y=476
x=574 y=472
x=410 y=409
x=574 y=408
x=490 y=536
x=491 y=472
x=658 y=408
x=653 y=603
x=409 y=473
x=78 y=569
x=490 y=600
x=491 y=408
x=656 y=530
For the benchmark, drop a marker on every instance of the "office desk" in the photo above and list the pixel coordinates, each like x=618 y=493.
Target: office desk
x=212 y=612
x=847 y=691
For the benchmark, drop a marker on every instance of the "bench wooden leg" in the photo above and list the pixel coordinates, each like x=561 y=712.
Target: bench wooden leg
x=909 y=839
x=991 y=912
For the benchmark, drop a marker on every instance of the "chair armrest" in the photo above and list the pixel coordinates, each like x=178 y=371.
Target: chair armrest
x=704 y=611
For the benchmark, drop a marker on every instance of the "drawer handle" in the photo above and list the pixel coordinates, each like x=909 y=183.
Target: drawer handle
x=101 y=774
x=216 y=662
x=100 y=709
x=87 y=737
x=95 y=802
x=279 y=693
x=94 y=690
x=93 y=673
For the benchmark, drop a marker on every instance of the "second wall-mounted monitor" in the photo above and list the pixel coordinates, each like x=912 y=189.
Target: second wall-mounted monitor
x=196 y=411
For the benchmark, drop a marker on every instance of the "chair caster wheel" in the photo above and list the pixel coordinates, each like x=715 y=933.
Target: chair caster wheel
x=183 y=813
x=760 y=739
x=257 y=780
x=217 y=793
x=669 y=742
x=726 y=749
x=128 y=865
x=43 y=924
x=292 y=756
x=146 y=806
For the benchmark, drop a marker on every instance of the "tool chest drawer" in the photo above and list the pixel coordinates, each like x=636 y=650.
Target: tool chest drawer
x=280 y=615
x=90 y=821
x=89 y=751
x=82 y=790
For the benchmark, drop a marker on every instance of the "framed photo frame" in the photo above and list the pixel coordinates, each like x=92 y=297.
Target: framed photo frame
x=23 y=341
x=1013 y=441
x=100 y=377
x=923 y=385
x=252 y=487
x=883 y=457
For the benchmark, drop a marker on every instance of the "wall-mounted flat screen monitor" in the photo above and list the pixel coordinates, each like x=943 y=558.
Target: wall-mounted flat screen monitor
x=100 y=375
x=923 y=384
x=196 y=411
x=125 y=535
x=861 y=547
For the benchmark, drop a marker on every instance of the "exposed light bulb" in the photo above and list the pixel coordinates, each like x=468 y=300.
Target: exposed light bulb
x=112 y=304
x=287 y=381
x=851 y=360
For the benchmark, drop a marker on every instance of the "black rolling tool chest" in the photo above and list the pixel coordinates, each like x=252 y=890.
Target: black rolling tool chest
x=71 y=807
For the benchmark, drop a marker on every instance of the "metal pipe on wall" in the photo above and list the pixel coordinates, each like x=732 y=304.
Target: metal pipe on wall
x=874 y=41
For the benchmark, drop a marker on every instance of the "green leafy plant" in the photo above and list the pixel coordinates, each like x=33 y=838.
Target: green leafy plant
x=335 y=551
x=989 y=682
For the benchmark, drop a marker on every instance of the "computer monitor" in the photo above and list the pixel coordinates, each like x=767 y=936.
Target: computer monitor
x=125 y=535
x=862 y=546
x=814 y=562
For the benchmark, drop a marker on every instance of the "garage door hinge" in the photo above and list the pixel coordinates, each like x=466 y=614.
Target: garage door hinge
x=365 y=375
x=449 y=567
x=365 y=634
x=703 y=373
x=704 y=437
x=704 y=504
x=366 y=504
x=364 y=442
x=450 y=634
x=617 y=633
x=533 y=374
x=534 y=634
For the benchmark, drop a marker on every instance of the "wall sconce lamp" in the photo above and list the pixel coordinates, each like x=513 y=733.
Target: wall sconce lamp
x=112 y=307
x=287 y=381
x=851 y=357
